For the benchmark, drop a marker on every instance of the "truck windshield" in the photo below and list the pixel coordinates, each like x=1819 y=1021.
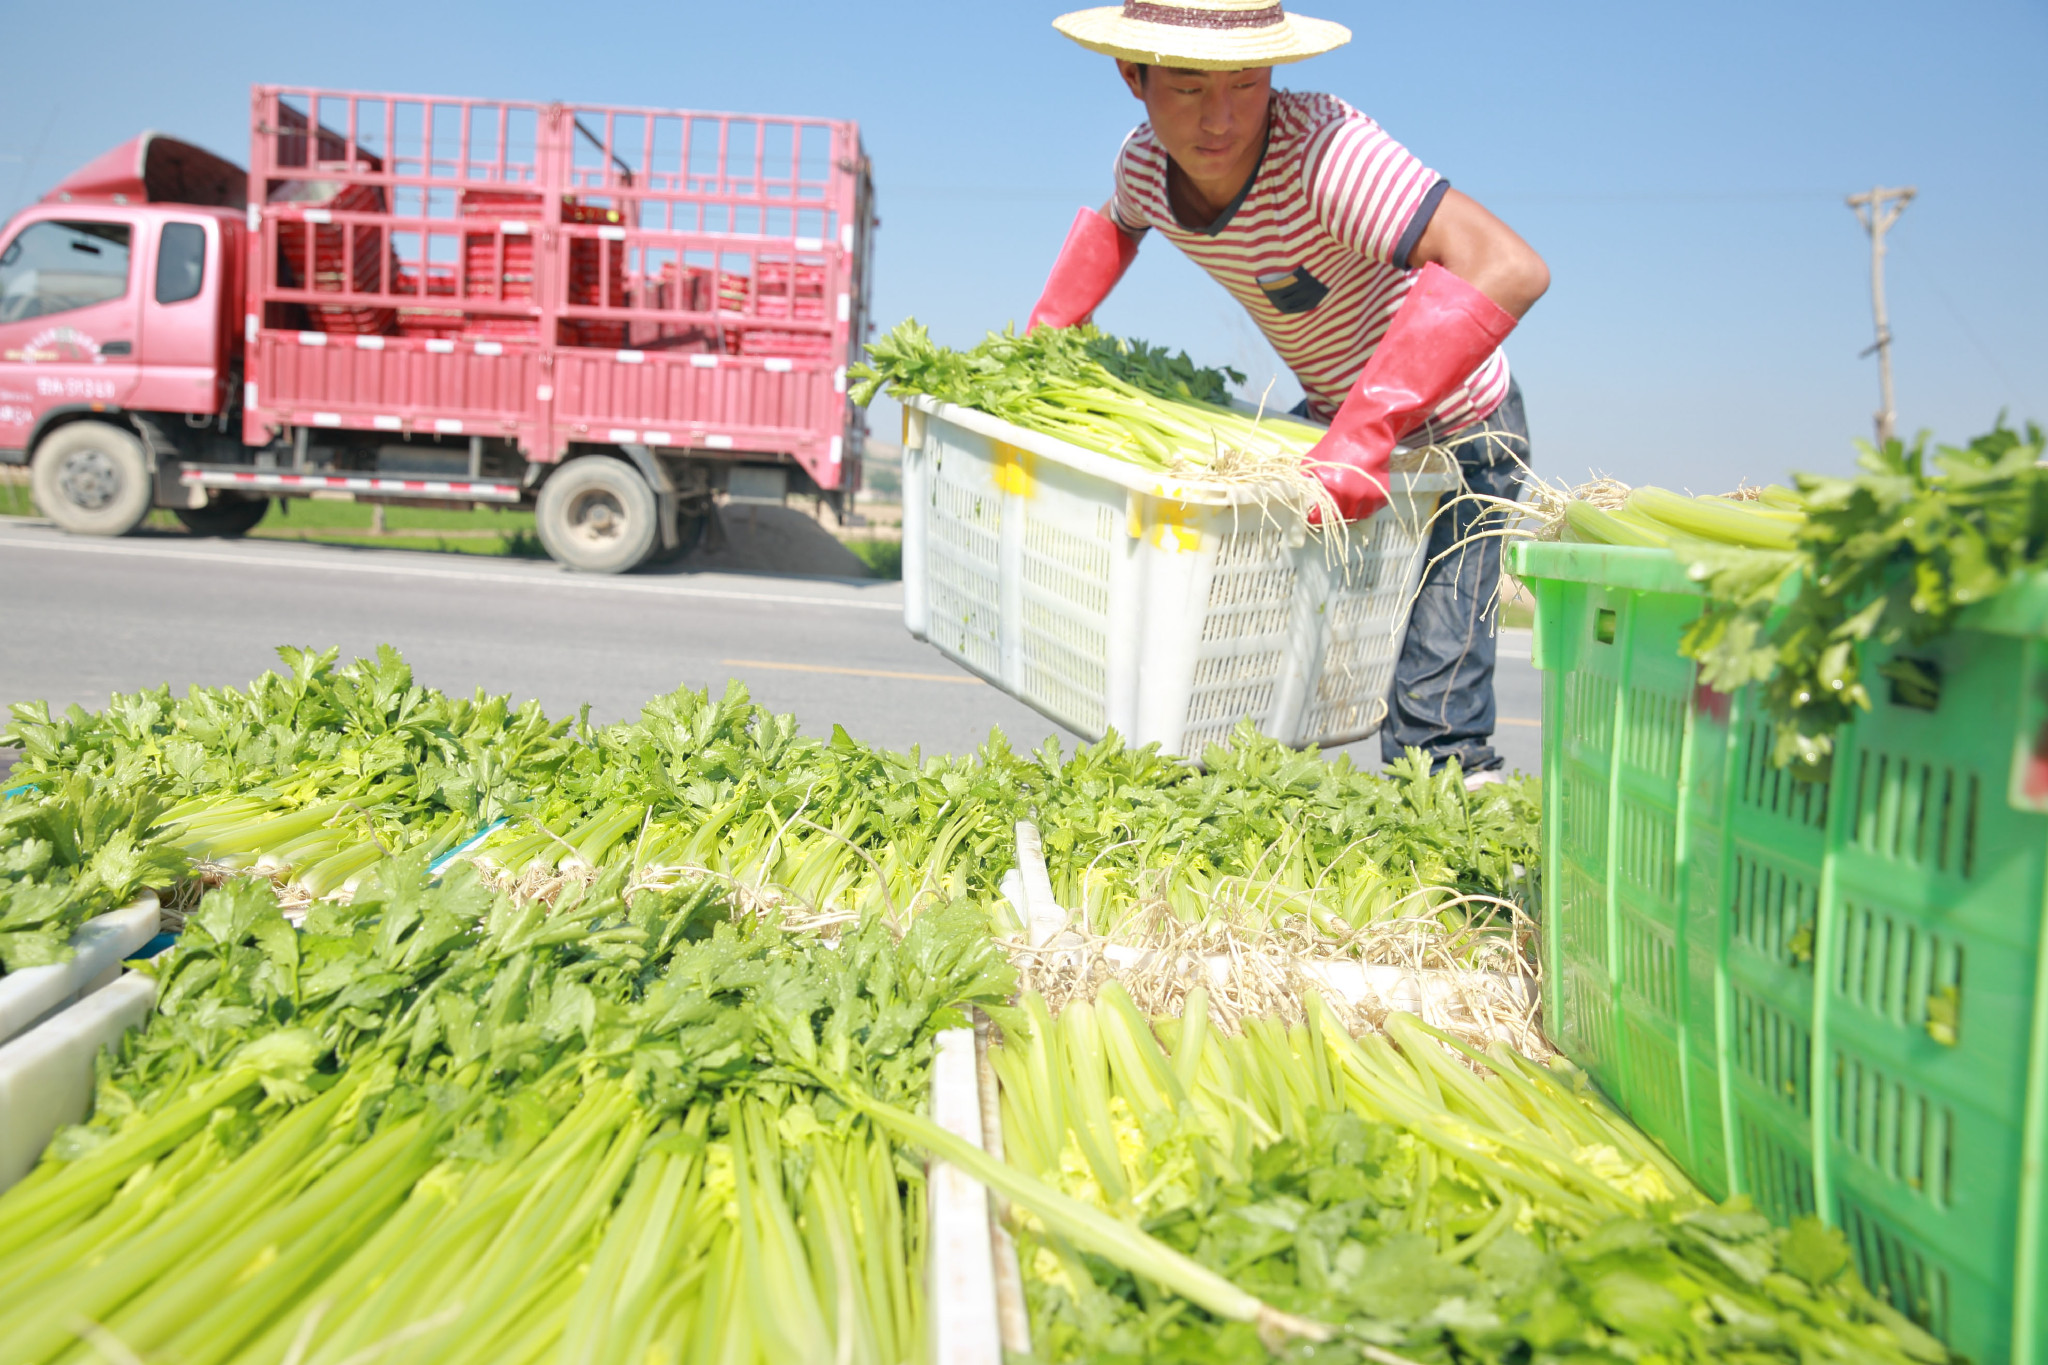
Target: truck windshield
x=54 y=267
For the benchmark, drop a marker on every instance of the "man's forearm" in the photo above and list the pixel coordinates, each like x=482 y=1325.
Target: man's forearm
x=1484 y=252
x=1096 y=254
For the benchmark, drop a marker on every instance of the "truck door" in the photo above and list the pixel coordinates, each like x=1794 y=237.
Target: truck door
x=180 y=345
x=69 y=314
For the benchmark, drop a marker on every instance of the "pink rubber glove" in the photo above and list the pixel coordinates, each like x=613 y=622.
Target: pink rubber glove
x=1445 y=330
x=1096 y=255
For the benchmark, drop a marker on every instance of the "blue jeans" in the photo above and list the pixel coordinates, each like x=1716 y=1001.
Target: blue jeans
x=1441 y=700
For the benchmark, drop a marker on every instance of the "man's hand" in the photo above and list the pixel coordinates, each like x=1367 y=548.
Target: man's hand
x=1096 y=255
x=1477 y=279
x=1444 y=331
x=1355 y=474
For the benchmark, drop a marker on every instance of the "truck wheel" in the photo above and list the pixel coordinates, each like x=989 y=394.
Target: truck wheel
x=224 y=516
x=596 y=515
x=92 y=479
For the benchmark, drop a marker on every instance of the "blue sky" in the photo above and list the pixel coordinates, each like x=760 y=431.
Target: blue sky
x=1682 y=167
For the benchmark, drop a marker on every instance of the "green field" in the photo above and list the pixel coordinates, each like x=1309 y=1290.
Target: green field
x=884 y=558
x=472 y=531
x=294 y=515
x=478 y=531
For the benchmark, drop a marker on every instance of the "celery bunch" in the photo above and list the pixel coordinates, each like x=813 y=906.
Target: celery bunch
x=1114 y=397
x=309 y=776
x=1428 y=1202
x=1799 y=582
x=721 y=788
x=442 y=1124
x=1263 y=835
x=71 y=849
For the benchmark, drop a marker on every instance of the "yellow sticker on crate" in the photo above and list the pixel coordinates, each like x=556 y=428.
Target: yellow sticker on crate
x=1170 y=525
x=1013 y=468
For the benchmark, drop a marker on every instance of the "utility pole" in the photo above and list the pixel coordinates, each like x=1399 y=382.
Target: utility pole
x=1877 y=210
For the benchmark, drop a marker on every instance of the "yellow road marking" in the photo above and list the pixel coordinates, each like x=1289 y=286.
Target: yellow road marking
x=1518 y=720
x=851 y=672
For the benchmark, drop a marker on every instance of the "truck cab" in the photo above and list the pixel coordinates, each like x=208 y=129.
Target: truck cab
x=119 y=295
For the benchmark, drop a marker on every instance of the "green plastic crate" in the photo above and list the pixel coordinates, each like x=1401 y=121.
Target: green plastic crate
x=1761 y=970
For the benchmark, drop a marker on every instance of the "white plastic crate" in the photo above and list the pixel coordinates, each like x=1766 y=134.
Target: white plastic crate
x=1104 y=595
x=975 y=1293
x=960 y=1253
x=33 y=994
x=46 y=1074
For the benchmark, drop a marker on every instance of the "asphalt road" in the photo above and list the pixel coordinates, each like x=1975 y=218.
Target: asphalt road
x=82 y=618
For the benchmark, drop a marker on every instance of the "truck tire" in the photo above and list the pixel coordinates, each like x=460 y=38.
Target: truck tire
x=597 y=515
x=92 y=479
x=224 y=516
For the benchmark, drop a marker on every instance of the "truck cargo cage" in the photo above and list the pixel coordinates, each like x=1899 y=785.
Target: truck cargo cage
x=609 y=263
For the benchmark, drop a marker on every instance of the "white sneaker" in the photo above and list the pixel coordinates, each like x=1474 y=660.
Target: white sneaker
x=1490 y=777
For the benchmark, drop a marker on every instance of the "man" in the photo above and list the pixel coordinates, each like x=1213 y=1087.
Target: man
x=1386 y=291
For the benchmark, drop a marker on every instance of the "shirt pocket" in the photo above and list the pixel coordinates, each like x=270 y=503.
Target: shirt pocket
x=1293 y=291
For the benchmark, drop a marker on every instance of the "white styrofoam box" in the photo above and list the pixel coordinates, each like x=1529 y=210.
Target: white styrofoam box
x=29 y=996
x=1105 y=595
x=1013 y=1311
x=959 y=1255
x=46 y=1074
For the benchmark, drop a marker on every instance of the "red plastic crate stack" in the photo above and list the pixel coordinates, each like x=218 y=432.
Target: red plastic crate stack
x=671 y=289
x=785 y=293
x=796 y=293
x=479 y=275
x=586 y=280
x=734 y=292
x=441 y=324
x=730 y=293
x=497 y=265
x=662 y=291
x=331 y=274
x=724 y=292
x=484 y=275
x=762 y=341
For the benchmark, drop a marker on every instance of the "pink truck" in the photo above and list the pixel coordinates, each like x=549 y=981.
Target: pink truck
x=613 y=316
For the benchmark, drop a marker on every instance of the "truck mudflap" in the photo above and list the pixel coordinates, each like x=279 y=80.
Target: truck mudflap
x=382 y=485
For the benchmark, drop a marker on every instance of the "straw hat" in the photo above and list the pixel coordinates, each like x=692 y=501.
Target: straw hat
x=1211 y=35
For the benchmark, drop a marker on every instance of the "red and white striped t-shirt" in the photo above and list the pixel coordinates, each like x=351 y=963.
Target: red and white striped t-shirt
x=1317 y=248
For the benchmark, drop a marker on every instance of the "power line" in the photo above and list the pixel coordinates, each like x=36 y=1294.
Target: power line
x=992 y=193
x=1932 y=279
x=35 y=152
x=1030 y=192
x=1654 y=197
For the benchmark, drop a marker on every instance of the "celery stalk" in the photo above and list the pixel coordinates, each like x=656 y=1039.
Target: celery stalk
x=1089 y=1228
